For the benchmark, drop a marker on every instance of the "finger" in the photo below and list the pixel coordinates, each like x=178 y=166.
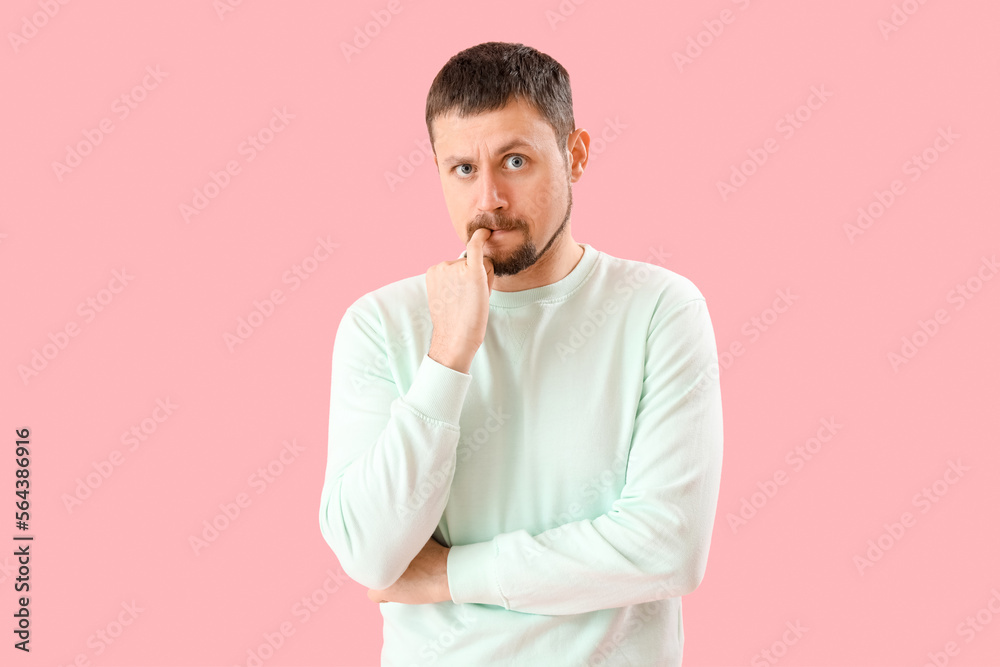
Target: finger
x=474 y=249
x=489 y=272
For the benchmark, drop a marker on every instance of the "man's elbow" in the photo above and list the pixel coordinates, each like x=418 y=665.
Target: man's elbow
x=677 y=583
x=692 y=572
x=682 y=576
x=371 y=570
x=367 y=566
x=692 y=580
x=368 y=572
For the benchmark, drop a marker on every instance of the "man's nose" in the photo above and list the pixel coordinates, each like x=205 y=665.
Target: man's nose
x=489 y=196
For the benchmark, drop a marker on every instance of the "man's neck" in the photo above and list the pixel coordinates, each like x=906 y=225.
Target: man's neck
x=553 y=267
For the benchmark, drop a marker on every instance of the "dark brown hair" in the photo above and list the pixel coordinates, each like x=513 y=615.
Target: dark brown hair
x=487 y=76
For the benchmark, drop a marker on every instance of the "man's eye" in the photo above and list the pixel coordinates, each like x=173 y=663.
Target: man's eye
x=518 y=165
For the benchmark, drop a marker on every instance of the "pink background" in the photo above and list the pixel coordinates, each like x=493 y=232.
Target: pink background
x=672 y=134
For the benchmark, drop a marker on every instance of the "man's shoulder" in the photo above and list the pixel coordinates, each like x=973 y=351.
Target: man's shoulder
x=648 y=277
x=405 y=296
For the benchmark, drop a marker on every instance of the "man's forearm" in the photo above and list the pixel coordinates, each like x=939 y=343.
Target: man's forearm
x=425 y=580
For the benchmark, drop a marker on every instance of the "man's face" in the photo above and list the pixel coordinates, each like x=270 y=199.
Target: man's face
x=503 y=170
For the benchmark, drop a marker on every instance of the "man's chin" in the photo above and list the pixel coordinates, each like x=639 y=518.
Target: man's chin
x=508 y=261
x=503 y=270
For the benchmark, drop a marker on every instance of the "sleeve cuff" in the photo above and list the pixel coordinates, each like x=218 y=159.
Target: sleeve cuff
x=438 y=392
x=472 y=574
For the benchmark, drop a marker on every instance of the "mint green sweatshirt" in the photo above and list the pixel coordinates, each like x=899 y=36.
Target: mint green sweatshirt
x=573 y=471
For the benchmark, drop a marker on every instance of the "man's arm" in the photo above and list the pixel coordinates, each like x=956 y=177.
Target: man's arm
x=653 y=543
x=391 y=458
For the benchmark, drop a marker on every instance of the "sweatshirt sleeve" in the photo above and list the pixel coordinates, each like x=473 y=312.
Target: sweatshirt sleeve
x=653 y=543
x=391 y=457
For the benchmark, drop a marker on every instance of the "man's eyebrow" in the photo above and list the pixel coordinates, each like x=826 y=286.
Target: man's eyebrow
x=513 y=143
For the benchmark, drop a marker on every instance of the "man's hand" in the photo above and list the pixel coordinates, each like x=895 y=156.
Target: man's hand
x=458 y=295
x=425 y=580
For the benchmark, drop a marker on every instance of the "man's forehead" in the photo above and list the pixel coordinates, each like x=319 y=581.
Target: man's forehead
x=516 y=125
x=516 y=114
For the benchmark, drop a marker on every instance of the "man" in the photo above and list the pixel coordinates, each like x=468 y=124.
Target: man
x=525 y=442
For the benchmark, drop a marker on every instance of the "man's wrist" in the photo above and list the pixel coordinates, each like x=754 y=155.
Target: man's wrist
x=444 y=592
x=460 y=361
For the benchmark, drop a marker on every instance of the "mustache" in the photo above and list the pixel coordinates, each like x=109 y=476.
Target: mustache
x=496 y=223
